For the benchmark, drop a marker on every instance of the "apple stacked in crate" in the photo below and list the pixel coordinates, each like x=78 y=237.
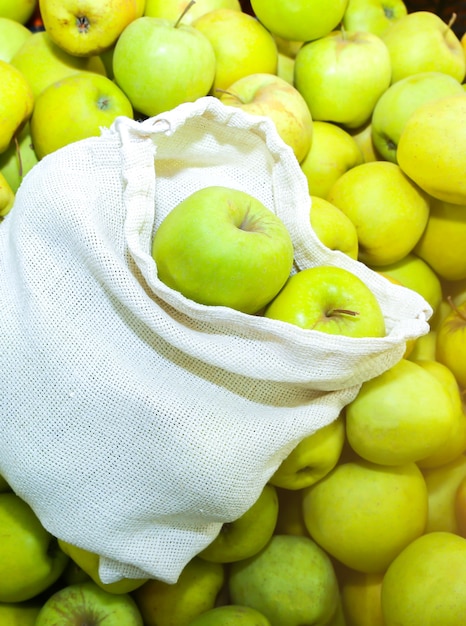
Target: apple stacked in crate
x=364 y=523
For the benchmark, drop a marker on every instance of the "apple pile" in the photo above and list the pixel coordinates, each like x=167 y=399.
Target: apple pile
x=364 y=523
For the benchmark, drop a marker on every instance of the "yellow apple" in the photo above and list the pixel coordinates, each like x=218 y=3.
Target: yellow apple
x=19 y=613
x=290 y=520
x=333 y=152
x=285 y=68
x=363 y=514
x=87 y=27
x=424 y=347
x=451 y=342
x=16 y=103
x=273 y=97
x=374 y=16
x=460 y=507
x=172 y=9
x=18 y=159
x=19 y=10
x=361 y=598
x=287 y=47
x=431 y=148
x=242 y=46
x=12 y=36
x=389 y=211
x=363 y=137
x=43 y=63
x=92 y=101
x=334 y=229
x=7 y=196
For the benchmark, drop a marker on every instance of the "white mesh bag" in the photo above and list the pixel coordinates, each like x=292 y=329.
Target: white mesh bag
x=135 y=421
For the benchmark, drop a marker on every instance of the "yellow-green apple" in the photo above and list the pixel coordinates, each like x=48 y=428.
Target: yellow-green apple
x=334 y=229
x=19 y=613
x=374 y=16
x=363 y=137
x=231 y=615
x=274 y=97
x=360 y=597
x=400 y=101
x=363 y=514
x=92 y=101
x=247 y=535
x=181 y=59
x=329 y=299
x=424 y=347
x=89 y=563
x=286 y=46
x=16 y=103
x=460 y=507
x=442 y=483
x=312 y=458
x=7 y=196
x=389 y=211
x=19 y=10
x=43 y=63
x=333 y=152
x=400 y=416
x=18 y=158
x=87 y=27
x=443 y=240
x=12 y=36
x=172 y=9
x=87 y=603
x=242 y=46
x=299 y=20
x=285 y=68
x=426 y=583
x=413 y=272
x=290 y=520
x=30 y=559
x=342 y=75
x=451 y=342
x=291 y=581
x=194 y=593
x=422 y=42
x=456 y=442
x=431 y=148
x=224 y=247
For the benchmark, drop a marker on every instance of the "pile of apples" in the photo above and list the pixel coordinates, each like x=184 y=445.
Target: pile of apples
x=364 y=524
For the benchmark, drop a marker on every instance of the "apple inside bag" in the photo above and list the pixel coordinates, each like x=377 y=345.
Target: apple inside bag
x=135 y=420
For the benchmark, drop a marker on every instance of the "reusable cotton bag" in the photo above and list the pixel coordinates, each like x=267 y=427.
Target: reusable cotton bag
x=136 y=422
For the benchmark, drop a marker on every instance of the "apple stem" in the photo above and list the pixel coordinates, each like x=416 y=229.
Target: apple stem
x=18 y=155
x=186 y=9
x=458 y=312
x=229 y=93
x=343 y=32
x=342 y=312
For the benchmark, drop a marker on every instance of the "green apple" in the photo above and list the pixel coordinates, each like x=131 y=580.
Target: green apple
x=424 y=347
x=19 y=10
x=334 y=229
x=422 y=42
x=86 y=28
x=373 y=16
x=363 y=514
x=313 y=457
x=333 y=152
x=330 y=300
x=12 y=36
x=299 y=20
x=30 y=561
x=19 y=158
x=360 y=597
x=363 y=137
x=290 y=520
x=223 y=247
x=291 y=581
x=285 y=68
x=400 y=101
x=16 y=103
x=43 y=63
x=403 y=415
x=19 y=613
x=442 y=483
x=389 y=232
x=274 y=97
x=426 y=583
x=451 y=343
x=7 y=197
x=242 y=46
x=342 y=75
x=181 y=59
x=172 y=9
x=89 y=562
x=194 y=593
x=460 y=507
x=87 y=603
x=231 y=615
x=92 y=101
x=247 y=535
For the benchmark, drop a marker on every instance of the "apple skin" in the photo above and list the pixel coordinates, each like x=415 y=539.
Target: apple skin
x=422 y=42
x=7 y=197
x=87 y=603
x=442 y=483
x=18 y=10
x=12 y=36
x=342 y=75
x=460 y=507
x=19 y=613
x=331 y=300
x=231 y=615
x=30 y=561
x=172 y=9
x=299 y=20
x=334 y=229
x=16 y=103
x=360 y=597
x=272 y=96
x=451 y=343
x=182 y=61
x=18 y=159
x=374 y=16
x=399 y=102
x=242 y=46
x=91 y=100
x=223 y=247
